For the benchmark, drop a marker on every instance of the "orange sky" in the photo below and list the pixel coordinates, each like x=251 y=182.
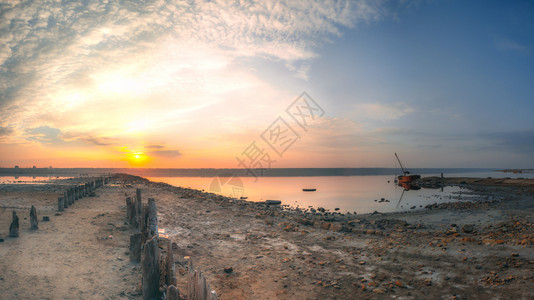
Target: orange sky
x=171 y=84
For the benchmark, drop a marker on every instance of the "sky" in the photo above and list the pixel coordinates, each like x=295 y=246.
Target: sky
x=266 y=84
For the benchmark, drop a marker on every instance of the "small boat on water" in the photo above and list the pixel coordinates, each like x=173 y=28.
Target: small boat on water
x=309 y=190
x=406 y=177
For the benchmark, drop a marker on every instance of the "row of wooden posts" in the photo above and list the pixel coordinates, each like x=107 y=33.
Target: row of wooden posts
x=158 y=273
x=69 y=196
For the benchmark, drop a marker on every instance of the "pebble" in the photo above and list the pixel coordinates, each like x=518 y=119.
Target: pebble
x=228 y=270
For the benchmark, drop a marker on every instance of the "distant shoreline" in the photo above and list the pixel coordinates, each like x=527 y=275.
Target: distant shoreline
x=212 y=172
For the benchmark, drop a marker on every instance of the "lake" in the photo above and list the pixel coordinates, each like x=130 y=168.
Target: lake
x=348 y=193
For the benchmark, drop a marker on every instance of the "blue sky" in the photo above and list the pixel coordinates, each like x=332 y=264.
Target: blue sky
x=442 y=83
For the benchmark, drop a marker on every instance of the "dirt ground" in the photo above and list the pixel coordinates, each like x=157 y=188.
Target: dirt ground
x=465 y=250
x=78 y=254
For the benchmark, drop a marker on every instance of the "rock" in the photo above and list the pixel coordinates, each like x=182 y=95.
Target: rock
x=273 y=202
x=337 y=227
x=305 y=221
x=321 y=209
x=468 y=228
x=325 y=225
x=14 y=227
x=336 y=209
x=378 y=291
x=46 y=218
x=34 y=224
x=228 y=270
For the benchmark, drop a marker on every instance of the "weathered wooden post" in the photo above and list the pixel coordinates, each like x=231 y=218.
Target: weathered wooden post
x=129 y=212
x=71 y=196
x=66 y=199
x=143 y=223
x=172 y=293
x=150 y=268
x=14 y=226
x=139 y=202
x=152 y=219
x=60 y=204
x=33 y=219
x=135 y=247
x=170 y=278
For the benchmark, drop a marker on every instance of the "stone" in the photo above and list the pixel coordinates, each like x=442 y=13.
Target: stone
x=46 y=218
x=468 y=228
x=228 y=270
x=14 y=227
x=34 y=224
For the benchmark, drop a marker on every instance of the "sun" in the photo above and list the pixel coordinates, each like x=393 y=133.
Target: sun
x=137 y=159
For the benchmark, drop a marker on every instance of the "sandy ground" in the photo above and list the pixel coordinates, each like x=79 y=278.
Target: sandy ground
x=479 y=250
x=78 y=254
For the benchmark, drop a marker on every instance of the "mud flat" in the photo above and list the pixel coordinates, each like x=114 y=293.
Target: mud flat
x=246 y=250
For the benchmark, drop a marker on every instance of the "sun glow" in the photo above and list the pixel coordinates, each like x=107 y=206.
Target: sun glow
x=136 y=158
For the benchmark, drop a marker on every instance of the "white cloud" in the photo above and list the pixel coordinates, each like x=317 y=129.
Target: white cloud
x=503 y=44
x=65 y=64
x=383 y=112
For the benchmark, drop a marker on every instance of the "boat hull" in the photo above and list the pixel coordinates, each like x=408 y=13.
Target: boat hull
x=408 y=178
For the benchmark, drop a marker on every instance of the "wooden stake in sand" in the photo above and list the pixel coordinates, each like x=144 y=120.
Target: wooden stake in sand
x=172 y=293
x=33 y=219
x=60 y=204
x=170 y=277
x=139 y=202
x=135 y=247
x=66 y=199
x=14 y=227
x=150 y=267
x=152 y=225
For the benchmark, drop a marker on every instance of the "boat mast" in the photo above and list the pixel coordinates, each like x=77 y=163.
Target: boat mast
x=403 y=171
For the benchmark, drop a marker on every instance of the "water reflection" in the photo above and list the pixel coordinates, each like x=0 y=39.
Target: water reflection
x=360 y=194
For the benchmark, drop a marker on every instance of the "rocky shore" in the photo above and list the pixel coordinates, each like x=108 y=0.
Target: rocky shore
x=248 y=250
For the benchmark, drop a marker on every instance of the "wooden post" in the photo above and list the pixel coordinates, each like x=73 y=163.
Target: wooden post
x=139 y=202
x=170 y=278
x=172 y=293
x=129 y=212
x=66 y=199
x=71 y=197
x=33 y=219
x=152 y=219
x=135 y=247
x=143 y=218
x=150 y=268
x=198 y=288
x=14 y=226
x=60 y=204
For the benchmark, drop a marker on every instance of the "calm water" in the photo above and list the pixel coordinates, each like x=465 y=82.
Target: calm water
x=29 y=179
x=348 y=193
